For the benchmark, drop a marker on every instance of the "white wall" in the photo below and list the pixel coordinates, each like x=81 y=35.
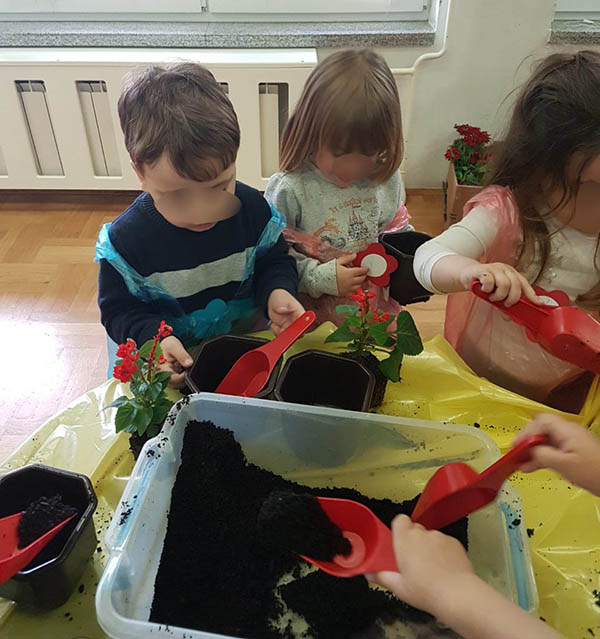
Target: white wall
x=490 y=50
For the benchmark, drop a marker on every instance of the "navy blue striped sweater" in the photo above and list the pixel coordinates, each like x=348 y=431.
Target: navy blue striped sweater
x=195 y=267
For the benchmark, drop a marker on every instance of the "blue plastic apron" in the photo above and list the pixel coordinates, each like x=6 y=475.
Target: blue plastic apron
x=217 y=316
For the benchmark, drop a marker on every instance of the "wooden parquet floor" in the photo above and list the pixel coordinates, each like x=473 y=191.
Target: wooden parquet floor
x=53 y=344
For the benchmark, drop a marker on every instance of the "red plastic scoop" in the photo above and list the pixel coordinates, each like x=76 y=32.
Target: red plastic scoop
x=565 y=331
x=13 y=558
x=371 y=539
x=250 y=373
x=456 y=490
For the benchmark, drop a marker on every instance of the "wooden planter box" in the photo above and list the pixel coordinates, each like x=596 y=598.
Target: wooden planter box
x=457 y=195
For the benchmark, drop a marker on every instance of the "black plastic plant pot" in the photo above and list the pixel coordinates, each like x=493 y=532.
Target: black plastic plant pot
x=48 y=581
x=214 y=359
x=317 y=378
x=372 y=364
x=404 y=287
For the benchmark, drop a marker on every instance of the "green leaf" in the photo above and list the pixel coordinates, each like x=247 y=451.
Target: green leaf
x=342 y=334
x=125 y=416
x=138 y=387
x=161 y=409
x=352 y=320
x=153 y=392
x=142 y=419
x=408 y=339
x=153 y=430
x=390 y=366
x=120 y=401
x=146 y=348
x=379 y=332
x=346 y=308
x=162 y=376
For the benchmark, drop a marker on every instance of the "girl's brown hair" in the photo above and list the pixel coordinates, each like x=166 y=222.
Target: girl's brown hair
x=349 y=104
x=553 y=136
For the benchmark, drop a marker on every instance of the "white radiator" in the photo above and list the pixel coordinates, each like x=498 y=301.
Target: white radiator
x=58 y=108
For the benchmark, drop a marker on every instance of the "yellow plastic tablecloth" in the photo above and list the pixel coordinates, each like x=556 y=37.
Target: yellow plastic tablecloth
x=437 y=385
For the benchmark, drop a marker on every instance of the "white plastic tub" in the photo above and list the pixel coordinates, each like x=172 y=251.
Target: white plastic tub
x=380 y=456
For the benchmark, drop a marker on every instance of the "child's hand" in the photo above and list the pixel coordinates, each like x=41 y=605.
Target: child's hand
x=177 y=359
x=573 y=451
x=506 y=283
x=349 y=277
x=429 y=563
x=435 y=575
x=283 y=308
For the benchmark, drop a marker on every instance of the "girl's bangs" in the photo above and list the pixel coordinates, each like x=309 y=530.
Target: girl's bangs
x=357 y=133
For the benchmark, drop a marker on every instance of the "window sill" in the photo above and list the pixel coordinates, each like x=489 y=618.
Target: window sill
x=215 y=34
x=575 y=32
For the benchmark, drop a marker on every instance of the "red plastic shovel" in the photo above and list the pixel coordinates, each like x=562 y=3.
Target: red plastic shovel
x=250 y=373
x=456 y=490
x=13 y=558
x=565 y=331
x=371 y=539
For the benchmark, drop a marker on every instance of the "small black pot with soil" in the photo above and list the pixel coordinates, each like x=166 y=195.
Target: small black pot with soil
x=48 y=581
x=214 y=358
x=404 y=287
x=136 y=443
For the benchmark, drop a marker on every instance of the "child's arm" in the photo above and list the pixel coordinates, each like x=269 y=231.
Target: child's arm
x=449 y=263
x=435 y=575
x=125 y=316
x=573 y=451
x=122 y=314
x=394 y=215
x=334 y=277
x=276 y=280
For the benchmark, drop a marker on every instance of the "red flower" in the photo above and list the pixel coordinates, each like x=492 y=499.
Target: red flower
x=126 y=349
x=385 y=317
x=375 y=315
x=452 y=153
x=164 y=330
x=472 y=135
x=362 y=298
x=162 y=359
x=125 y=371
x=474 y=158
x=380 y=264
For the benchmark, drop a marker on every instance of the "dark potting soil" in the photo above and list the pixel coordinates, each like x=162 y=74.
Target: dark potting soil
x=40 y=516
x=342 y=608
x=295 y=522
x=136 y=443
x=219 y=574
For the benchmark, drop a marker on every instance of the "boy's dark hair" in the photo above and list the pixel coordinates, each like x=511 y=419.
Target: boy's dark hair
x=554 y=133
x=182 y=111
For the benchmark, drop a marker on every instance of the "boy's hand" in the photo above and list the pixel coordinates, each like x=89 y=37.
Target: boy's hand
x=349 y=277
x=429 y=564
x=501 y=280
x=177 y=360
x=283 y=308
x=573 y=451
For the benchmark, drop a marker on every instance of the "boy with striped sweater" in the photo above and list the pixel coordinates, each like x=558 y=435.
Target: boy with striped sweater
x=197 y=249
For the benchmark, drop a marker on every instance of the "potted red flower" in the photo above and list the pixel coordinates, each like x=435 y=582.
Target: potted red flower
x=143 y=414
x=367 y=331
x=468 y=156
